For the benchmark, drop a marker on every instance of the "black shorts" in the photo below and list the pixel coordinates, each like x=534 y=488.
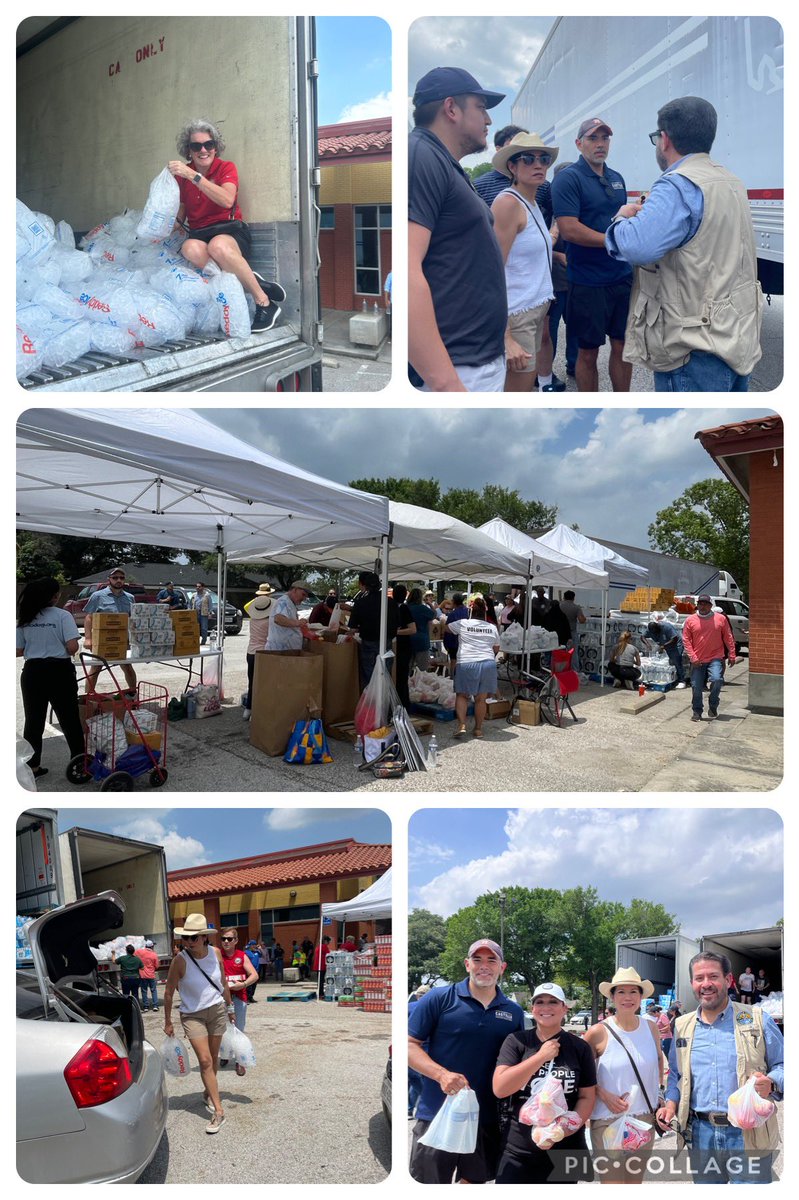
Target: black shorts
x=593 y=313
x=238 y=230
x=437 y=1166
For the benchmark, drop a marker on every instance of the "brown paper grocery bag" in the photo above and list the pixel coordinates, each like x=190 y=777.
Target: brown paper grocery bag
x=340 y=689
x=284 y=687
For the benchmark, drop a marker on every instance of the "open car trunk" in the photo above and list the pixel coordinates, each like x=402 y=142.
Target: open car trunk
x=70 y=983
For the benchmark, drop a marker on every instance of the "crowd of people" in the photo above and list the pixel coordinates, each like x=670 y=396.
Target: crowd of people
x=494 y=266
x=669 y=1071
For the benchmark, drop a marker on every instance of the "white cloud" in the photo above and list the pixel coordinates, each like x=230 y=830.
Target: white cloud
x=180 y=851
x=715 y=869
x=375 y=106
x=285 y=819
x=424 y=852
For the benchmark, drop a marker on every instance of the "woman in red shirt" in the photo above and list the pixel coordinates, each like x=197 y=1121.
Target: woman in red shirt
x=208 y=190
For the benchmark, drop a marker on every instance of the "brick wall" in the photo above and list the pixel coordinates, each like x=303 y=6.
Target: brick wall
x=766 y=571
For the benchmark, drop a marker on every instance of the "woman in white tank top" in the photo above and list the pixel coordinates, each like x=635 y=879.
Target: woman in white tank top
x=206 y=1006
x=526 y=248
x=618 y=1089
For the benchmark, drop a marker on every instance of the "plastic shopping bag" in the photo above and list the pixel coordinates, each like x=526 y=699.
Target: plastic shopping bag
x=746 y=1109
x=241 y=1048
x=546 y=1103
x=161 y=208
x=626 y=1133
x=378 y=699
x=231 y=302
x=308 y=743
x=454 y=1127
x=175 y=1056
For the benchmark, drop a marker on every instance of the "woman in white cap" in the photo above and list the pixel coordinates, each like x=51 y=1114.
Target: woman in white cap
x=206 y=1008
x=629 y=1073
x=258 y=611
x=526 y=248
x=528 y=1055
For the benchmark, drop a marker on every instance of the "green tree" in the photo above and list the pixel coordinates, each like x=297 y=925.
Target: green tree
x=480 y=169
x=79 y=557
x=477 y=507
x=708 y=522
x=424 y=492
x=37 y=557
x=535 y=934
x=427 y=934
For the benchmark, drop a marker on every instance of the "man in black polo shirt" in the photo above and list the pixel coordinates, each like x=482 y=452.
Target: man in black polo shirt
x=585 y=199
x=457 y=303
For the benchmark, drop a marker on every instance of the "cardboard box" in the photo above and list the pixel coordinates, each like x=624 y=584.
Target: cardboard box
x=93 y=707
x=285 y=687
x=526 y=712
x=105 y=621
x=109 y=647
x=500 y=708
x=340 y=687
x=186 y=643
x=183 y=616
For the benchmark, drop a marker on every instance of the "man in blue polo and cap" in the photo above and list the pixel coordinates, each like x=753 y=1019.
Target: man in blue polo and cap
x=457 y=301
x=454 y=1036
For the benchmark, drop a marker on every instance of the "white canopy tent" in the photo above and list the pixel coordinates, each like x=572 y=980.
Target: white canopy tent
x=372 y=904
x=170 y=477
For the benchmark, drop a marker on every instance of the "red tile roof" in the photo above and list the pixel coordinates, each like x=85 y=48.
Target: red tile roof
x=356 y=139
x=306 y=864
x=743 y=430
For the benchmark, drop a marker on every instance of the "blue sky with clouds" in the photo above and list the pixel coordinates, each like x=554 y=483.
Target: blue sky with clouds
x=717 y=870
x=608 y=470
x=354 y=68
x=194 y=836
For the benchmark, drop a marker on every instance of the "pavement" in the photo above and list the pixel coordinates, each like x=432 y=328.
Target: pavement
x=347 y=367
x=609 y=749
x=312 y=1101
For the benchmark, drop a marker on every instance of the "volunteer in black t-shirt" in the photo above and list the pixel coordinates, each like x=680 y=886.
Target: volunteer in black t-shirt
x=526 y=1056
x=406 y=627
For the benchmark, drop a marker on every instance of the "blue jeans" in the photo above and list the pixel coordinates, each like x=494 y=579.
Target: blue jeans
x=700 y=672
x=557 y=311
x=239 y=1011
x=145 y=986
x=717 y=1156
x=278 y=968
x=675 y=654
x=702 y=373
x=203 y=629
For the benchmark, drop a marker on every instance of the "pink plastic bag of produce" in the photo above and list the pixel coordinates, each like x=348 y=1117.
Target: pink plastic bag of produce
x=746 y=1109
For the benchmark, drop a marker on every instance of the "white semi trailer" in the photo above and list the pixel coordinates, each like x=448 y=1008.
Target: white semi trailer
x=624 y=69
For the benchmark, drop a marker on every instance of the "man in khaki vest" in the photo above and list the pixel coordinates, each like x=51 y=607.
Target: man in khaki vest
x=696 y=306
x=716 y=1049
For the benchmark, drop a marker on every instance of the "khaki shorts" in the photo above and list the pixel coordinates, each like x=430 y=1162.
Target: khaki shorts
x=206 y=1022
x=528 y=329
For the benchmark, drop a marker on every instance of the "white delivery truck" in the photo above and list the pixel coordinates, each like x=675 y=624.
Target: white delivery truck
x=624 y=69
x=100 y=101
x=55 y=869
x=665 y=959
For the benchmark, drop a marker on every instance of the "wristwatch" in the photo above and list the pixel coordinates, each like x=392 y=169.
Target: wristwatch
x=197 y=179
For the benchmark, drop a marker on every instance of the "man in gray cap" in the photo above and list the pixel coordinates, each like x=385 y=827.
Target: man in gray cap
x=286 y=627
x=696 y=317
x=457 y=304
x=454 y=1036
x=585 y=199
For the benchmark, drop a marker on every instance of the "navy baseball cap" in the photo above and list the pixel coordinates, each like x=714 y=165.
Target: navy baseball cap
x=452 y=81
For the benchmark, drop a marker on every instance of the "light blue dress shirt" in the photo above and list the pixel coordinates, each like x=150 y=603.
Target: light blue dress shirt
x=670 y=217
x=714 y=1074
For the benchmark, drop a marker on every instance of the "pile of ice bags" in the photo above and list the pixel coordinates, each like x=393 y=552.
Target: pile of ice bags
x=118 y=293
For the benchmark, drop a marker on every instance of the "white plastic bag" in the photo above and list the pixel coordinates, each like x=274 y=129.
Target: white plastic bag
x=34 y=239
x=454 y=1127
x=25 y=777
x=547 y=1101
x=233 y=311
x=746 y=1109
x=161 y=208
x=226 y=1045
x=68 y=340
x=175 y=1057
x=626 y=1133
x=241 y=1048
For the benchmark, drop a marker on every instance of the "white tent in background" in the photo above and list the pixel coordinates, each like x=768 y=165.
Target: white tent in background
x=370 y=905
x=547 y=567
x=621 y=572
x=169 y=477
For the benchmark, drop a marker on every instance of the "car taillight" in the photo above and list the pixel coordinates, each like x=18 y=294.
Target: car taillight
x=97 y=1074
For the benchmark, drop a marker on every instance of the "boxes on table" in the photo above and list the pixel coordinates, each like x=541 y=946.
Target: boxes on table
x=110 y=634
x=187 y=631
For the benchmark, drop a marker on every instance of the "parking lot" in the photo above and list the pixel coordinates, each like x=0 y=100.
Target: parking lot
x=308 y=1112
x=607 y=750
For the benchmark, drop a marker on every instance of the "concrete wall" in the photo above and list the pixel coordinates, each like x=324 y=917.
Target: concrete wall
x=766 y=581
x=100 y=105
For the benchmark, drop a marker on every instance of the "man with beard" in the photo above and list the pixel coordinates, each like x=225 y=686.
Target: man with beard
x=716 y=1049
x=457 y=303
x=454 y=1036
x=708 y=640
x=696 y=307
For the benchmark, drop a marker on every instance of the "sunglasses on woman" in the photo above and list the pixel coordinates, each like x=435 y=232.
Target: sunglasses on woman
x=198 y=146
x=528 y=159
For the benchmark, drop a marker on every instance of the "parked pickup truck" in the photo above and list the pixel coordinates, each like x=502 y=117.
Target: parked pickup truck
x=736 y=612
x=76 y=605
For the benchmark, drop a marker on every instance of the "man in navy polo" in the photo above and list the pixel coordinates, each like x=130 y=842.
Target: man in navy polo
x=454 y=1037
x=585 y=199
x=457 y=301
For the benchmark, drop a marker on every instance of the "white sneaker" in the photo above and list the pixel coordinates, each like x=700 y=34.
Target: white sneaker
x=247 y=714
x=681 y=685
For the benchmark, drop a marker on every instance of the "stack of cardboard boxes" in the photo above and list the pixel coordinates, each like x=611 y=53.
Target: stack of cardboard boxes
x=110 y=635
x=187 y=632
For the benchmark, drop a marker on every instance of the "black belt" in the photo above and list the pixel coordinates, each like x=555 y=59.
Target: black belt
x=715 y=1118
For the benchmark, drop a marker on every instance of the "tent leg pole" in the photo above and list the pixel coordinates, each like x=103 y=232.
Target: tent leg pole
x=604 y=637
x=384 y=596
